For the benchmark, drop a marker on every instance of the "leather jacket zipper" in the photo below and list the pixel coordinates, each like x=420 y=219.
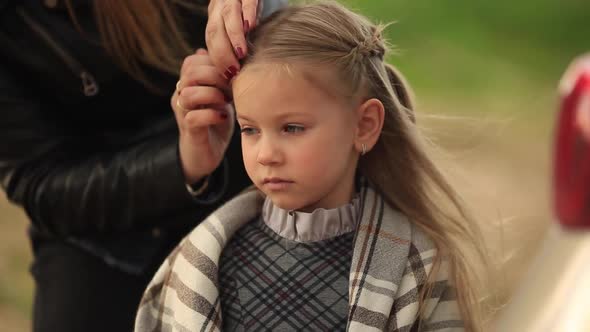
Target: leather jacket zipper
x=89 y=85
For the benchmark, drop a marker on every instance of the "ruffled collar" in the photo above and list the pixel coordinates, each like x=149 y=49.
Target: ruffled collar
x=319 y=225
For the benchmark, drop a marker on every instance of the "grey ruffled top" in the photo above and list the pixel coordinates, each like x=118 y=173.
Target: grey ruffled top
x=319 y=225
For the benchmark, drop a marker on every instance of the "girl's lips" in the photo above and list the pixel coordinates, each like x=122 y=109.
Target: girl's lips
x=274 y=180
x=275 y=184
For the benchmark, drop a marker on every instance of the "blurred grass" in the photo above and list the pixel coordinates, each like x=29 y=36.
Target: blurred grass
x=484 y=73
x=469 y=48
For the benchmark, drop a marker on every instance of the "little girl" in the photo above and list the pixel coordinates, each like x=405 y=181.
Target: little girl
x=350 y=226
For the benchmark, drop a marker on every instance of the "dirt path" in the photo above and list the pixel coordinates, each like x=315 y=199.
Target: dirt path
x=15 y=257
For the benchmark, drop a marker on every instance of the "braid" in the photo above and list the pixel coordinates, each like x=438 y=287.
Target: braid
x=372 y=46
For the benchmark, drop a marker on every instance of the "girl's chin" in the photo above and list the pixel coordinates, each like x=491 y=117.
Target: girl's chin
x=285 y=204
x=292 y=206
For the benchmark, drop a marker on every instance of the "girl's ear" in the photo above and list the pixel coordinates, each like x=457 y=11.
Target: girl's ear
x=370 y=116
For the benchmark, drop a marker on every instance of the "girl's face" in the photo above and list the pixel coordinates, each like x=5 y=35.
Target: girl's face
x=297 y=140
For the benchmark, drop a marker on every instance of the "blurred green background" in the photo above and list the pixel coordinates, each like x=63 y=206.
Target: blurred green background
x=485 y=76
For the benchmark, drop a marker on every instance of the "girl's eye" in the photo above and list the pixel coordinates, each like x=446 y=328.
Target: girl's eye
x=248 y=131
x=292 y=129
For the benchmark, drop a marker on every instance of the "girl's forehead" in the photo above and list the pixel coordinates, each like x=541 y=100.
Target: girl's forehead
x=272 y=91
x=277 y=78
x=268 y=87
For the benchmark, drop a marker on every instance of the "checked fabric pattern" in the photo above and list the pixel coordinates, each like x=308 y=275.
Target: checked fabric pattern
x=390 y=261
x=269 y=283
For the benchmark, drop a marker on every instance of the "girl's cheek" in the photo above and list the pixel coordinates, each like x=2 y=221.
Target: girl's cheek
x=248 y=155
x=311 y=157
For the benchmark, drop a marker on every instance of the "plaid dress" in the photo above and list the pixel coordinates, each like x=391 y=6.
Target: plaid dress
x=288 y=271
x=391 y=261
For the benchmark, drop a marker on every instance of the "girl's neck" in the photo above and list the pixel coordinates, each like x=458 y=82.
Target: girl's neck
x=318 y=225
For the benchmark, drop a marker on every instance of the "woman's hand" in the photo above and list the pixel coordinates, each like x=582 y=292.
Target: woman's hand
x=228 y=23
x=204 y=117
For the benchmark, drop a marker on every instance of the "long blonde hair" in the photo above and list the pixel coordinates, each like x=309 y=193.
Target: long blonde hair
x=327 y=35
x=140 y=32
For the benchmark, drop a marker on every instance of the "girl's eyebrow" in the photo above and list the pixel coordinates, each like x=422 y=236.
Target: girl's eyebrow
x=292 y=114
x=279 y=116
x=242 y=117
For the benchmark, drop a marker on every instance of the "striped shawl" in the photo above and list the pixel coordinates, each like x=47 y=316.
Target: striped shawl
x=391 y=261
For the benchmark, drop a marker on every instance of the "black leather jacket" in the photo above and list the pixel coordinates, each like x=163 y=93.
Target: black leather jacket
x=88 y=152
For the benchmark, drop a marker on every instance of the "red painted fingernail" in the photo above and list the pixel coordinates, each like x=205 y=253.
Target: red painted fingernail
x=230 y=72
x=228 y=75
x=239 y=52
x=246 y=26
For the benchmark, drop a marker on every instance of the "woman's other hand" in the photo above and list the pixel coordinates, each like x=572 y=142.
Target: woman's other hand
x=228 y=23
x=204 y=117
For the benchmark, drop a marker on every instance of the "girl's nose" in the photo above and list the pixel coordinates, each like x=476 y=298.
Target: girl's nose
x=268 y=153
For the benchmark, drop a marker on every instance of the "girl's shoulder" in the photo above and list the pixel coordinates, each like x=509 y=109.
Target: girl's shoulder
x=396 y=222
x=249 y=200
x=229 y=217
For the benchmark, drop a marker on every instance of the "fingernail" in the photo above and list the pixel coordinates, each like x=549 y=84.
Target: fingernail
x=232 y=72
x=239 y=52
x=228 y=75
x=223 y=115
x=227 y=98
x=246 y=26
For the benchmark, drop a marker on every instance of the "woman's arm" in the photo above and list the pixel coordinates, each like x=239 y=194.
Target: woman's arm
x=67 y=188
